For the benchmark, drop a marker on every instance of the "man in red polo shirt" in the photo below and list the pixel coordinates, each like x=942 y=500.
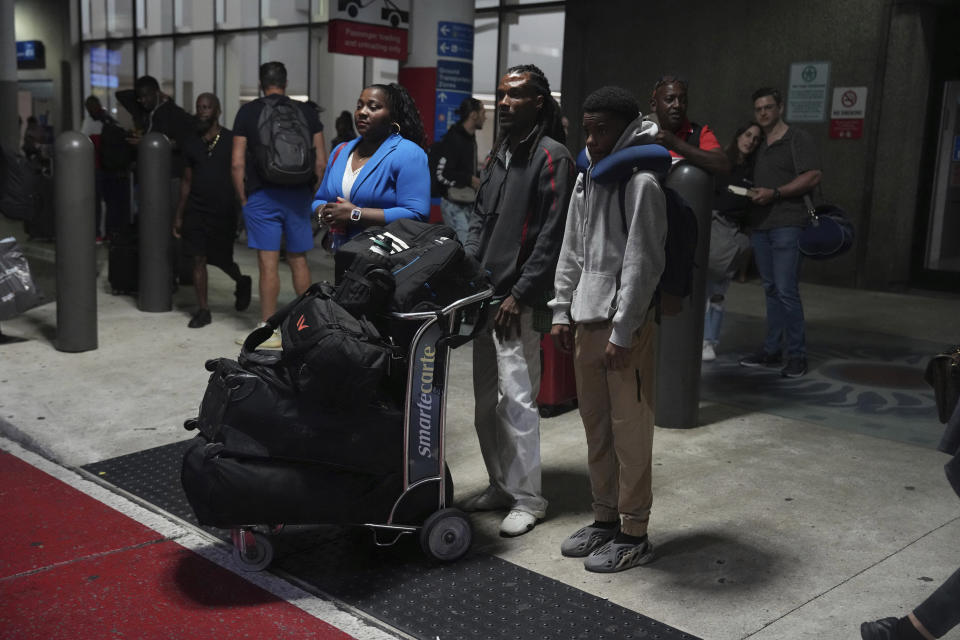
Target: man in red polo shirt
x=685 y=139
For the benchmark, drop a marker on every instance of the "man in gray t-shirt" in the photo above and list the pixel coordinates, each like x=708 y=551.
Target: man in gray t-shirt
x=787 y=167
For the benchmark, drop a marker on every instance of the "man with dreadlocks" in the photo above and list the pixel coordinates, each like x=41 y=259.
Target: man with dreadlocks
x=516 y=230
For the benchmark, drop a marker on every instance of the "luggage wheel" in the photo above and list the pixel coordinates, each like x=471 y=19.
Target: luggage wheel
x=446 y=535
x=251 y=549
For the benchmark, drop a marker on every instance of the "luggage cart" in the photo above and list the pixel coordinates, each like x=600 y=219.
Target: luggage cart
x=446 y=534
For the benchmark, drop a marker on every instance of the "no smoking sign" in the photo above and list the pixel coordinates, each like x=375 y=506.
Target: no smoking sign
x=847 y=114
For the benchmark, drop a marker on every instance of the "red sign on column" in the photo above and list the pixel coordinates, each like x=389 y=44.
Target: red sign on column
x=371 y=40
x=846 y=129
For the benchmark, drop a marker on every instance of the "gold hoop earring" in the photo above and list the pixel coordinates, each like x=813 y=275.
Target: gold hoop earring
x=397 y=125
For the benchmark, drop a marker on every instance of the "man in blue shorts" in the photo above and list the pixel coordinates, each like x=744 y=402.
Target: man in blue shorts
x=275 y=191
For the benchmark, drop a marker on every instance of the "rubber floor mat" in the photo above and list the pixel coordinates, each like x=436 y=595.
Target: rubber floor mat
x=480 y=596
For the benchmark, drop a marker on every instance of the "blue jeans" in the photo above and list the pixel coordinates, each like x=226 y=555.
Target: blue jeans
x=713 y=315
x=778 y=261
x=456 y=215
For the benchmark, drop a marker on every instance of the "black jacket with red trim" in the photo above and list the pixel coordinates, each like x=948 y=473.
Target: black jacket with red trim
x=518 y=220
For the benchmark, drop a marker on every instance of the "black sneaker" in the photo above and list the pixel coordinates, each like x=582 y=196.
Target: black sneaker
x=760 y=359
x=242 y=293
x=200 y=319
x=883 y=629
x=796 y=368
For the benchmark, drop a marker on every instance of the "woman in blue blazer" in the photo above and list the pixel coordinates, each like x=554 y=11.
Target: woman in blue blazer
x=382 y=175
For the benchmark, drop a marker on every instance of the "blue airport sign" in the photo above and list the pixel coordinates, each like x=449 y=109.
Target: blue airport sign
x=455 y=76
x=455 y=40
x=445 y=114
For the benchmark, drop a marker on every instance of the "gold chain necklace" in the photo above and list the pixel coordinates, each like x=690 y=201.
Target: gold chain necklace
x=212 y=144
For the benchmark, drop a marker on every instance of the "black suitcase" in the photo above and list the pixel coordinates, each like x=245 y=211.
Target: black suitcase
x=41 y=225
x=123 y=262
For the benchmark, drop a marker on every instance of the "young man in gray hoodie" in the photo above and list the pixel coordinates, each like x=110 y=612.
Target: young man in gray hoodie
x=604 y=311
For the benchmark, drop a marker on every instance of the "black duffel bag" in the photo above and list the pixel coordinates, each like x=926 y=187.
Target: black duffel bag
x=227 y=490
x=245 y=394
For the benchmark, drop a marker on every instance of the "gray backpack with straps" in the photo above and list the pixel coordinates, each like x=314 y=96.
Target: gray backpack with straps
x=285 y=155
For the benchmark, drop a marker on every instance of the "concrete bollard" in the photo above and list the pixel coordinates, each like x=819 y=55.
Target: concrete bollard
x=681 y=336
x=153 y=173
x=76 y=251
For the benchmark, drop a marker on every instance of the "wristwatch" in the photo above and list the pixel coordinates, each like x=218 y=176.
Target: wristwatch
x=776 y=194
x=355 y=214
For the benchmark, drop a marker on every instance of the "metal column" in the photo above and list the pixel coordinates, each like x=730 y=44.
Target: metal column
x=156 y=270
x=681 y=336
x=73 y=181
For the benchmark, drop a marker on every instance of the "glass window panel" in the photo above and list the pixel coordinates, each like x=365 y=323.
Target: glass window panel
x=237 y=69
x=280 y=12
x=288 y=46
x=193 y=15
x=94 y=18
x=384 y=70
x=537 y=38
x=237 y=14
x=194 y=73
x=119 y=18
x=336 y=80
x=485 y=75
x=154 y=17
x=484 y=4
x=155 y=58
x=105 y=70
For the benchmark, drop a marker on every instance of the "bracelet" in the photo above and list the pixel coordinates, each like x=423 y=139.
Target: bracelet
x=776 y=194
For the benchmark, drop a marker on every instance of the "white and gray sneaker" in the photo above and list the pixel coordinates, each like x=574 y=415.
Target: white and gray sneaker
x=586 y=539
x=613 y=557
x=517 y=523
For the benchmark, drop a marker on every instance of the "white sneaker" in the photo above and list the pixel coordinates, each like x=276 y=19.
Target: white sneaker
x=517 y=523
x=709 y=354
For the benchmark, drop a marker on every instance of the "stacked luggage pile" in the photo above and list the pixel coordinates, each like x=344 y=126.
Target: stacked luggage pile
x=330 y=430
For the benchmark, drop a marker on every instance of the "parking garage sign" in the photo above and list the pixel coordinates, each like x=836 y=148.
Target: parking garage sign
x=369 y=28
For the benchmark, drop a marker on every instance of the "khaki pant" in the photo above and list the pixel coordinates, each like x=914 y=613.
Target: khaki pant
x=617 y=408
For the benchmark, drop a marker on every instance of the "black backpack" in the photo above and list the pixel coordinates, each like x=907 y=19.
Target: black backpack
x=676 y=281
x=330 y=354
x=285 y=154
x=429 y=266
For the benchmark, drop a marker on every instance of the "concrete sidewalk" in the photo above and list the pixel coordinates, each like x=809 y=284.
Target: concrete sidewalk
x=765 y=526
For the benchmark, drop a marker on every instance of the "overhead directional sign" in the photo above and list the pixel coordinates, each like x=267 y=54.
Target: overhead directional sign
x=455 y=76
x=455 y=40
x=446 y=113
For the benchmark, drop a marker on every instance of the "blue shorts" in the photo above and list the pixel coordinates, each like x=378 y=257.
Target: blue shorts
x=272 y=213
